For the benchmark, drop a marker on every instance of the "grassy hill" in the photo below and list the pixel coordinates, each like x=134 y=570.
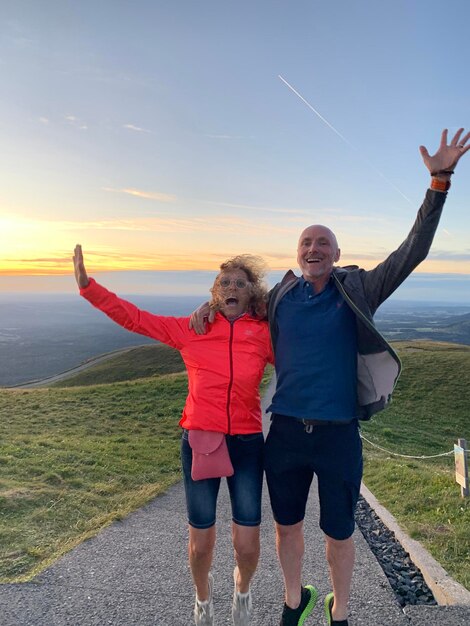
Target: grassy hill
x=74 y=458
x=459 y=328
x=131 y=364
x=429 y=412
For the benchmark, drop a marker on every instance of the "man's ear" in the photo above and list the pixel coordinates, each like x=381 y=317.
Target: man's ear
x=337 y=255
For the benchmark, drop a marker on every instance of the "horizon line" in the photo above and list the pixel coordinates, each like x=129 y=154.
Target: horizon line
x=58 y=273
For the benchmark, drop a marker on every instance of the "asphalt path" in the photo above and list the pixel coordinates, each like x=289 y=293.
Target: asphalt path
x=135 y=572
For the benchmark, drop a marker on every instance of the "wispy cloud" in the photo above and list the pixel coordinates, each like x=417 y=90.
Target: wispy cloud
x=23 y=42
x=104 y=260
x=148 y=195
x=76 y=122
x=354 y=257
x=137 y=129
x=205 y=224
x=223 y=137
x=448 y=255
x=426 y=277
x=377 y=256
x=202 y=224
x=292 y=213
x=52 y=260
x=44 y=120
x=251 y=207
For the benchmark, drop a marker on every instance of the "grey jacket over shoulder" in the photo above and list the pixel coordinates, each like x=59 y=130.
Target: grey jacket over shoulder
x=364 y=291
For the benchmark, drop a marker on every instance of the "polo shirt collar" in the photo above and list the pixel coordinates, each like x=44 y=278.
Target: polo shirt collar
x=303 y=284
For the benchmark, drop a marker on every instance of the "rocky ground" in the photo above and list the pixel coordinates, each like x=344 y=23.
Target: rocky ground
x=405 y=579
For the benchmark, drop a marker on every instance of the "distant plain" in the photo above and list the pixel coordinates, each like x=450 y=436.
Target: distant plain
x=41 y=337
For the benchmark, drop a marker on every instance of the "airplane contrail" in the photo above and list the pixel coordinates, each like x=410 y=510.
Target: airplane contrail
x=343 y=138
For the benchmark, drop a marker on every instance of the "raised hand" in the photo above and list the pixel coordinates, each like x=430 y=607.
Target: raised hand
x=448 y=155
x=79 y=266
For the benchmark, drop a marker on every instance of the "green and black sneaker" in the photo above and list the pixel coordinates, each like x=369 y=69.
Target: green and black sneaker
x=329 y=600
x=297 y=617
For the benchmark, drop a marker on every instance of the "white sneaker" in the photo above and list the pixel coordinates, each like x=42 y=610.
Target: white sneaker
x=204 y=611
x=241 y=605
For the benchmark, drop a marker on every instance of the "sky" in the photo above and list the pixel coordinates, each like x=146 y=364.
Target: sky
x=166 y=137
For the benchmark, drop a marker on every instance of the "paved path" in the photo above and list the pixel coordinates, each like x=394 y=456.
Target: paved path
x=135 y=573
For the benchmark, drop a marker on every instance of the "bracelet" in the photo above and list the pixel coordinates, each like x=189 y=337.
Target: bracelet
x=440 y=185
x=447 y=172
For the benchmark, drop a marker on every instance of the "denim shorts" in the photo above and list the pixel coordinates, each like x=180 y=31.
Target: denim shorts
x=293 y=456
x=245 y=486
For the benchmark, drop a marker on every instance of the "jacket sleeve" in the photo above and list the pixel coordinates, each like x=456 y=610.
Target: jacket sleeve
x=173 y=331
x=382 y=281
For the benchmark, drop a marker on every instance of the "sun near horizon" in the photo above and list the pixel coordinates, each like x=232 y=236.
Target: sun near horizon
x=59 y=264
x=44 y=248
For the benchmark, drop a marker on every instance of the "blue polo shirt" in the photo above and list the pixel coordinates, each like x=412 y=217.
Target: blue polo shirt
x=316 y=355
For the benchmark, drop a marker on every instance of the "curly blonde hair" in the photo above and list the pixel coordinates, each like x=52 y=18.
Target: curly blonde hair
x=255 y=269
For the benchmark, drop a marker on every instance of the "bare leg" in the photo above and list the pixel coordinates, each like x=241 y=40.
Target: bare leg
x=246 y=548
x=290 y=550
x=201 y=549
x=340 y=555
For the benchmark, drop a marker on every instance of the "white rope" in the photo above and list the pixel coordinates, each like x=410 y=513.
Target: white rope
x=407 y=456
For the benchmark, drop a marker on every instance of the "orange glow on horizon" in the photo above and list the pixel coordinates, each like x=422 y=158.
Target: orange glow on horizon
x=61 y=268
x=96 y=262
x=64 y=267
x=30 y=247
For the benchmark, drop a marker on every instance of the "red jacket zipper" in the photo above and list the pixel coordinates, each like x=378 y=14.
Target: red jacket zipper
x=229 y=390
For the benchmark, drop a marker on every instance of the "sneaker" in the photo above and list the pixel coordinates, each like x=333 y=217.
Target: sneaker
x=204 y=611
x=241 y=604
x=297 y=617
x=329 y=600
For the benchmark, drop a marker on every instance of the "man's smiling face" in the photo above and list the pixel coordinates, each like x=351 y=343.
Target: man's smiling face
x=317 y=252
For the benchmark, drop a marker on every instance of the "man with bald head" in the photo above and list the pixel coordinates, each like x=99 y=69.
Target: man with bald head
x=333 y=368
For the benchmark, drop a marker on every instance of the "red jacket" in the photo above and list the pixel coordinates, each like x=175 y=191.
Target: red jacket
x=225 y=366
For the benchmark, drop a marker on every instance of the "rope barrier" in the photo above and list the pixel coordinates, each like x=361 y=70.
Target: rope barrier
x=407 y=456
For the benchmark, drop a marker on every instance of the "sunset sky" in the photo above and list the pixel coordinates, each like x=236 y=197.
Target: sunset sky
x=160 y=136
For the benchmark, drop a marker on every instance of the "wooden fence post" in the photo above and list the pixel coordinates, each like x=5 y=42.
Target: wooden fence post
x=461 y=466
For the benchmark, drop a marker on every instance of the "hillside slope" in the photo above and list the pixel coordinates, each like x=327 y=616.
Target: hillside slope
x=130 y=364
x=429 y=412
x=73 y=459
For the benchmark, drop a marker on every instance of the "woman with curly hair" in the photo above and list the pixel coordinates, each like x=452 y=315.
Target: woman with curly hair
x=222 y=414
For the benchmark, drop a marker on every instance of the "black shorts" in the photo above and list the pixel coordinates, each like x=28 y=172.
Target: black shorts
x=293 y=456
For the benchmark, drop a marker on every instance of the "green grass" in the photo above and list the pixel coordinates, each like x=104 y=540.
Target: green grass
x=430 y=411
x=139 y=362
x=73 y=460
